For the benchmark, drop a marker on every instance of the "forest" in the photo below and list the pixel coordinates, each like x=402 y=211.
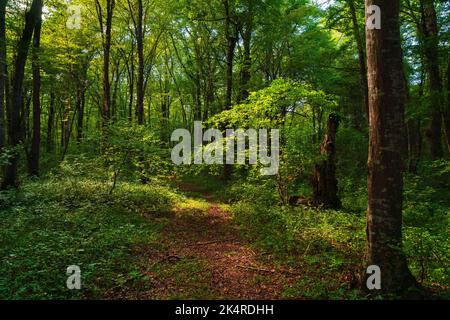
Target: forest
x=224 y=149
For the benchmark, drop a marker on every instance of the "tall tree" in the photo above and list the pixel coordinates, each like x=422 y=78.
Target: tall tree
x=447 y=112
x=387 y=95
x=246 y=34
x=4 y=96
x=33 y=161
x=361 y=55
x=105 y=29
x=431 y=46
x=14 y=123
x=140 y=51
x=231 y=40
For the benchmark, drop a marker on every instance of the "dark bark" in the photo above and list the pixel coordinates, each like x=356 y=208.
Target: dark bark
x=415 y=141
x=33 y=162
x=131 y=81
x=324 y=182
x=231 y=39
x=387 y=96
x=116 y=76
x=140 y=80
x=165 y=109
x=361 y=58
x=431 y=43
x=15 y=130
x=4 y=90
x=447 y=111
x=106 y=37
x=81 y=101
x=246 y=34
x=414 y=132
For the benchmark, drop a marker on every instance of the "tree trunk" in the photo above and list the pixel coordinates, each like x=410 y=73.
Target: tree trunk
x=431 y=43
x=361 y=58
x=324 y=182
x=231 y=39
x=33 y=163
x=15 y=130
x=116 y=78
x=4 y=90
x=140 y=80
x=81 y=99
x=447 y=111
x=247 y=64
x=131 y=77
x=50 y=121
x=106 y=37
x=387 y=95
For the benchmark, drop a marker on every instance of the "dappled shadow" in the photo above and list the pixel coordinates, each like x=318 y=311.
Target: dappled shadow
x=232 y=269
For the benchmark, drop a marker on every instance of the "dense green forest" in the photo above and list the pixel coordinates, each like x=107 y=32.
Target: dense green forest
x=98 y=98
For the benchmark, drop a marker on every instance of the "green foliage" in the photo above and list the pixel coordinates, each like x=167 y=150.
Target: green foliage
x=50 y=225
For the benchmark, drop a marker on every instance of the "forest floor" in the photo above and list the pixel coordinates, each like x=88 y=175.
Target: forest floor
x=203 y=255
x=185 y=239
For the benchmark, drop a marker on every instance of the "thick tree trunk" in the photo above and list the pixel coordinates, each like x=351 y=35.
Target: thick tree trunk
x=15 y=130
x=324 y=182
x=430 y=34
x=387 y=95
x=33 y=163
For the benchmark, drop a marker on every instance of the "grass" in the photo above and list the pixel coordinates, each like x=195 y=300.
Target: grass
x=60 y=221
x=50 y=225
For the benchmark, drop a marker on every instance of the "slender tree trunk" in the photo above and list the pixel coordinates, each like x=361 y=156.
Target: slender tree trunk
x=247 y=64
x=81 y=100
x=447 y=111
x=106 y=34
x=387 y=95
x=4 y=90
x=116 y=76
x=131 y=82
x=231 y=39
x=414 y=132
x=140 y=80
x=15 y=130
x=50 y=121
x=361 y=58
x=430 y=33
x=324 y=182
x=33 y=163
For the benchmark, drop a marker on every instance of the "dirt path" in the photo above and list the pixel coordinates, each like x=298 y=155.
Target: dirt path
x=221 y=262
